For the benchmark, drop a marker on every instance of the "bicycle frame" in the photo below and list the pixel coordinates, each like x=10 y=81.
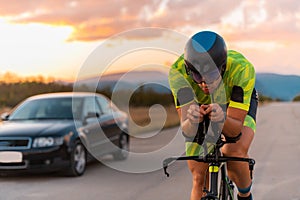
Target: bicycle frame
x=215 y=161
x=227 y=189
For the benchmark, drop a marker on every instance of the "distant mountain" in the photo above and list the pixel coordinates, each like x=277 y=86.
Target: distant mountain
x=276 y=86
x=154 y=80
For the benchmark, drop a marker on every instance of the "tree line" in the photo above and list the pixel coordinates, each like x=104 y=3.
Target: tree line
x=263 y=98
x=141 y=97
x=13 y=93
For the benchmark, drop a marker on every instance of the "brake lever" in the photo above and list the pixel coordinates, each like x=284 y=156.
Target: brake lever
x=251 y=167
x=165 y=171
x=166 y=164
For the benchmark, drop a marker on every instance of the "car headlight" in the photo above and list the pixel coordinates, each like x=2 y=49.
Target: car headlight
x=47 y=141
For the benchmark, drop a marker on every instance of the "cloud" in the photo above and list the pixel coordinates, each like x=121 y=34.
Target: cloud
x=91 y=19
x=94 y=20
x=97 y=20
x=276 y=21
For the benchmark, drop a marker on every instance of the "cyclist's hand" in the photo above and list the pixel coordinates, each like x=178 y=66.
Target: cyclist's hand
x=195 y=113
x=216 y=113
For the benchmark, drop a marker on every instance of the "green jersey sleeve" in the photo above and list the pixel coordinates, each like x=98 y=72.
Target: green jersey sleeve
x=178 y=81
x=242 y=78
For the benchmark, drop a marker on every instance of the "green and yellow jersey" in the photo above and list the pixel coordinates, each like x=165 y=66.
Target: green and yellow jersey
x=236 y=90
x=239 y=73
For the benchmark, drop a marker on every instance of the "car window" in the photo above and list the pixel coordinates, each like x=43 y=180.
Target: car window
x=106 y=105
x=52 y=108
x=60 y=108
x=77 y=107
x=25 y=110
x=91 y=106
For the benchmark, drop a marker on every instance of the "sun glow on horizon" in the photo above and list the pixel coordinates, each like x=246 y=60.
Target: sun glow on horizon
x=38 y=49
x=34 y=31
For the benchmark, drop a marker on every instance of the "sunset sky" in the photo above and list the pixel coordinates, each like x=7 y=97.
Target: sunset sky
x=56 y=37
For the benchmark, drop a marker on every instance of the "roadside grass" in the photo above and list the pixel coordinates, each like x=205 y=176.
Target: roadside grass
x=146 y=119
x=4 y=110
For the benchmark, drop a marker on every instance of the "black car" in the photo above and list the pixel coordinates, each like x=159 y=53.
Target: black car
x=62 y=131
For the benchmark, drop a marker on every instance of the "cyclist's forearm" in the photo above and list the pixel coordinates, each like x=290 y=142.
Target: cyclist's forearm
x=188 y=128
x=234 y=121
x=232 y=127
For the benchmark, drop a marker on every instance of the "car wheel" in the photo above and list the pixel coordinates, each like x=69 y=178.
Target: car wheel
x=78 y=160
x=123 y=150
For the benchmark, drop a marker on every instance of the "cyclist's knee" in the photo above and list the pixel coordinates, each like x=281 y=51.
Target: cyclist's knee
x=235 y=150
x=236 y=153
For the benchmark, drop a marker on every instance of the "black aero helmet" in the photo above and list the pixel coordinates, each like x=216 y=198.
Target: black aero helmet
x=205 y=52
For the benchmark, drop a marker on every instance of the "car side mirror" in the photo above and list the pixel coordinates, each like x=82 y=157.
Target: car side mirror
x=4 y=116
x=90 y=115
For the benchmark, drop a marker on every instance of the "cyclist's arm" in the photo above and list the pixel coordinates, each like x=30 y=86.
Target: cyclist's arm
x=243 y=79
x=234 y=121
x=188 y=128
x=191 y=115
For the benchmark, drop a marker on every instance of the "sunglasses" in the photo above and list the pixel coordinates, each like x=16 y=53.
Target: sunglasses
x=208 y=78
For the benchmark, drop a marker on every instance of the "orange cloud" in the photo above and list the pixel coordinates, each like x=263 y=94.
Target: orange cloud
x=96 y=20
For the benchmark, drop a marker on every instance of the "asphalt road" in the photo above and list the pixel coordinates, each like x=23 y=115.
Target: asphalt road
x=276 y=150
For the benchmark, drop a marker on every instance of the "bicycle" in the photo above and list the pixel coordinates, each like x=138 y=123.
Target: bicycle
x=220 y=187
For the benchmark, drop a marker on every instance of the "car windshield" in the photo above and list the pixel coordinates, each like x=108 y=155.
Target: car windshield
x=51 y=108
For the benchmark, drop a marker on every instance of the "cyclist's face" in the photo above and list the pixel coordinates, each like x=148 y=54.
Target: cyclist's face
x=209 y=82
x=208 y=78
x=209 y=88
